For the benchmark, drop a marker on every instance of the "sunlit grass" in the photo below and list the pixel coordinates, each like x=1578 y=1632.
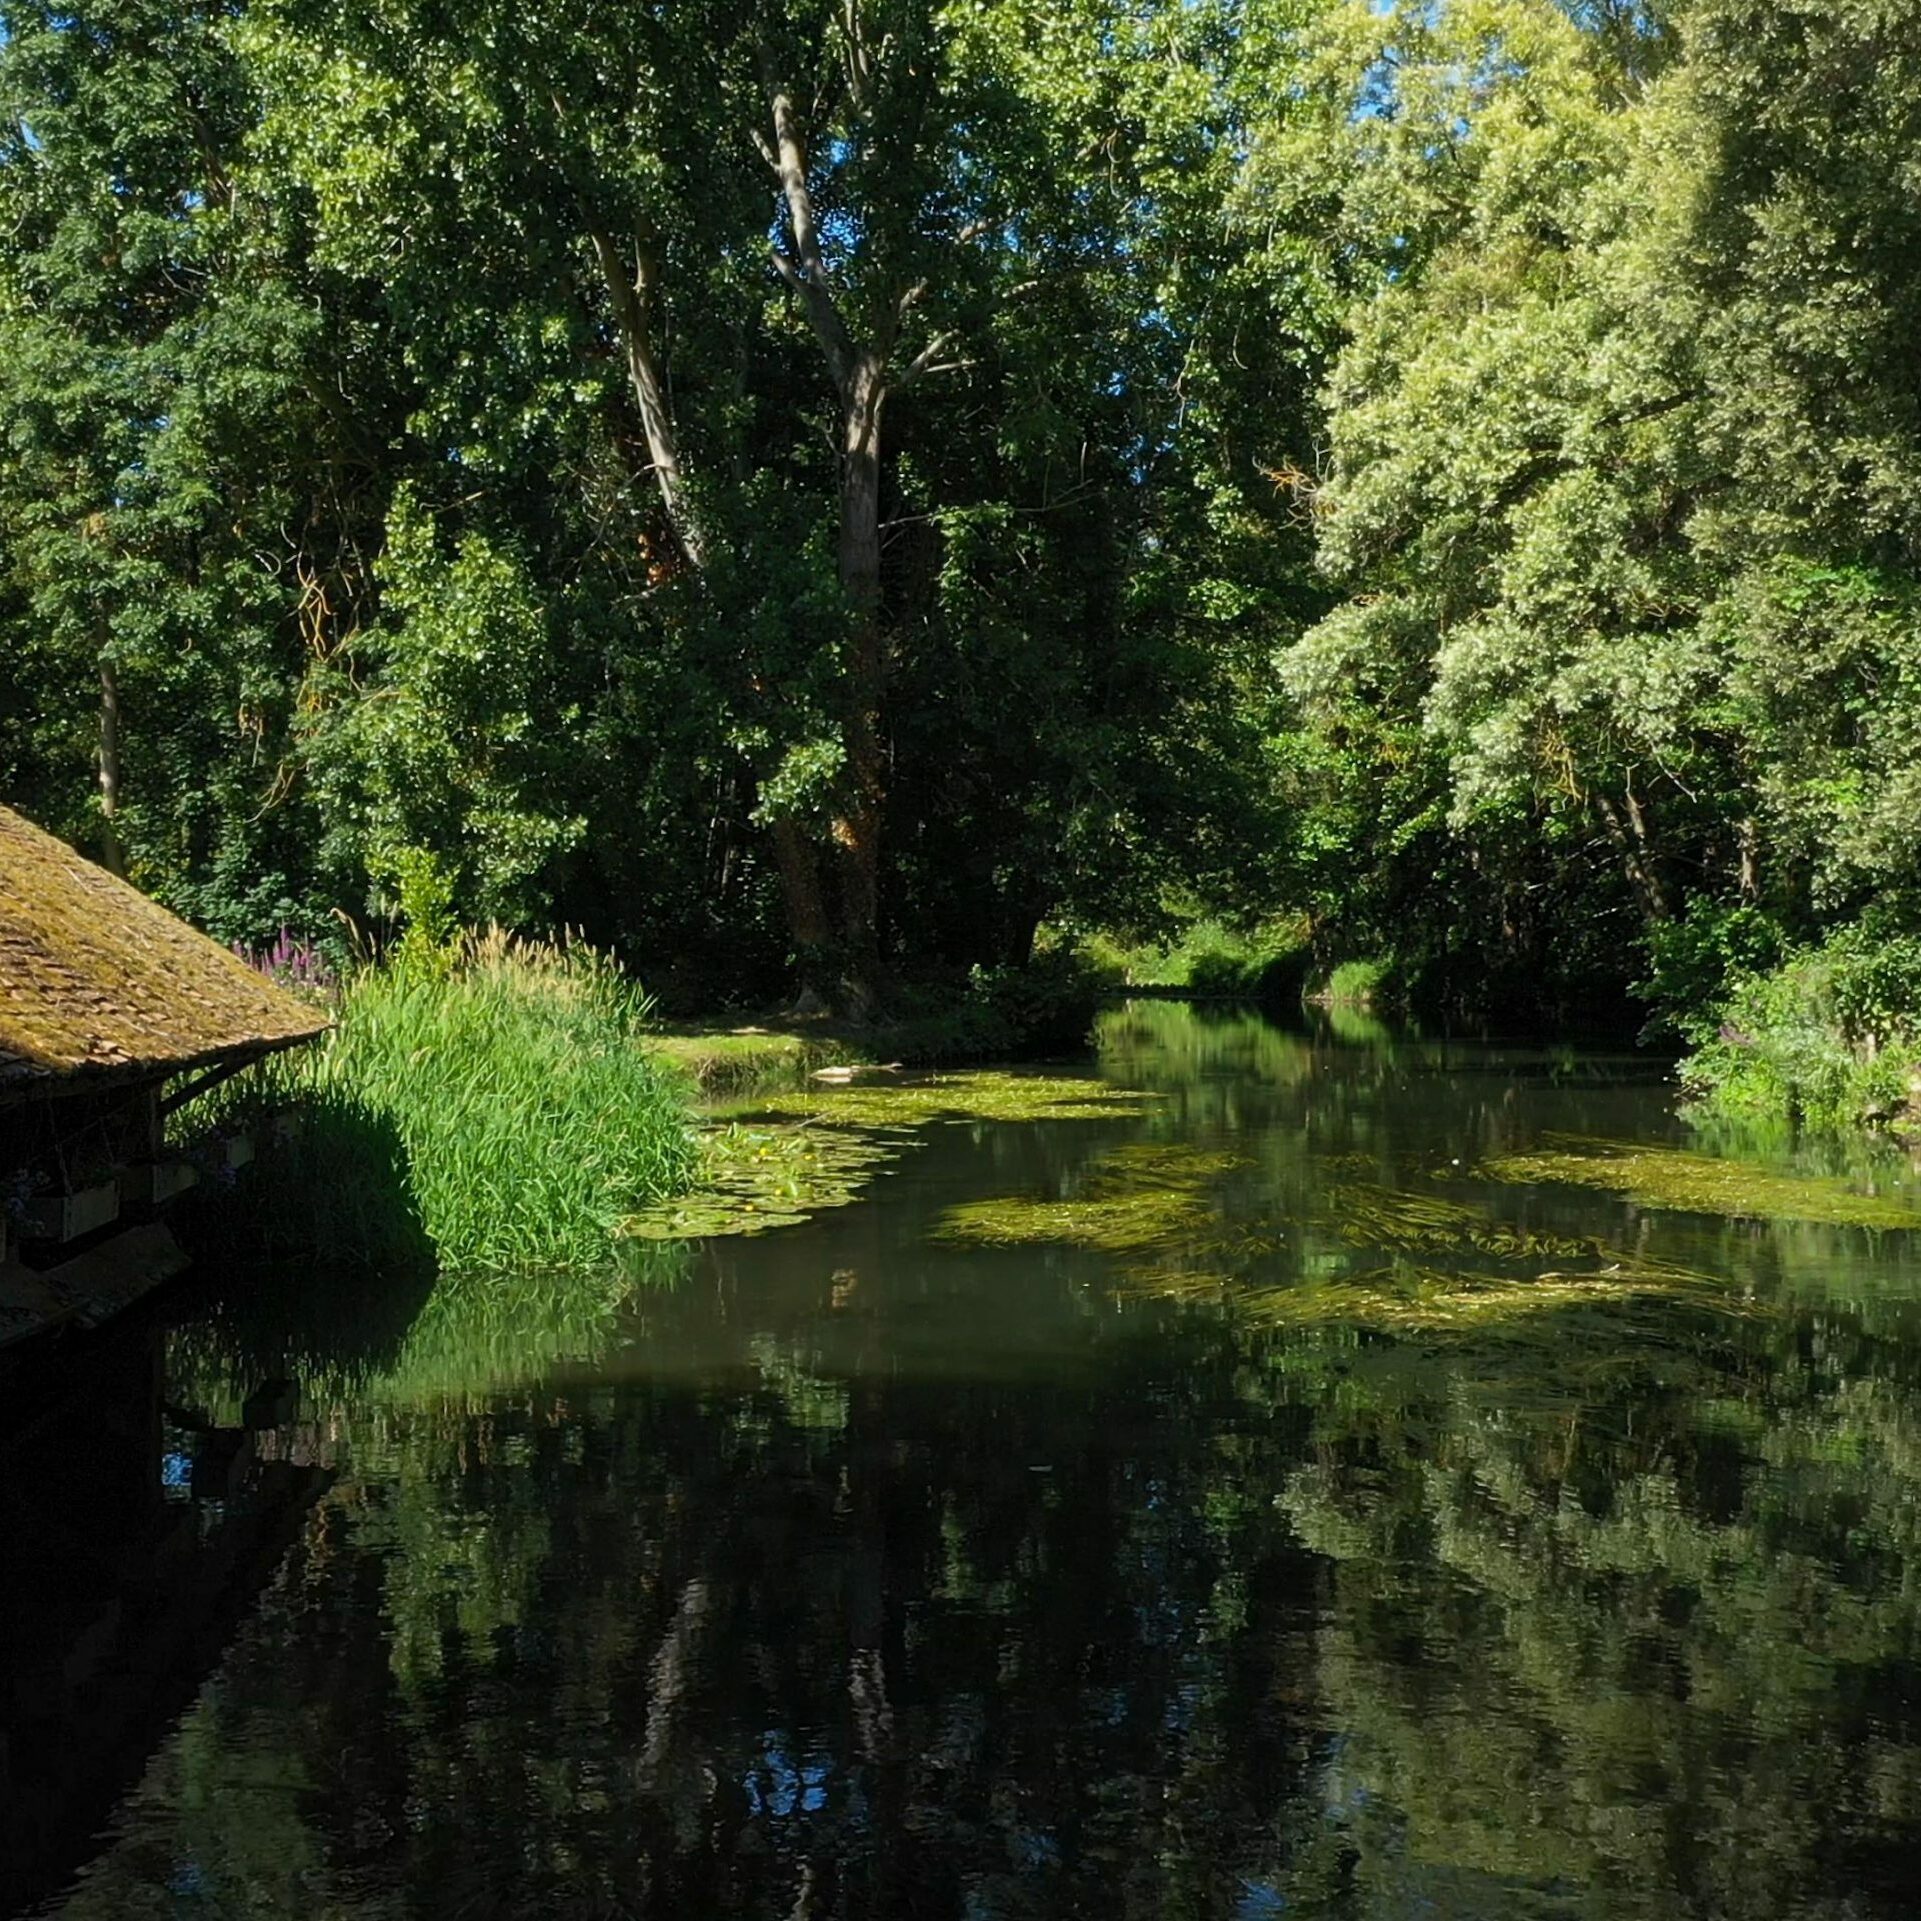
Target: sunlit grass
x=518 y=1116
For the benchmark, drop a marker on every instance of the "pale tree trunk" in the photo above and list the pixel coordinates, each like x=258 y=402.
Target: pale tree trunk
x=633 y=296
x=864 y=373
x=113 y=855
x=1630 y=841
x=1747 y=874
x=864 y=376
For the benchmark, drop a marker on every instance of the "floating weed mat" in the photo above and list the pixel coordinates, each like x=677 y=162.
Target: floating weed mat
x=761 y=1177
x=1410 y=1299
x=958 y=1097
x=1674 y=1178
x=1450 y=1270
x=1134 y=1199
x=1366 y=1215
x=791 y=1154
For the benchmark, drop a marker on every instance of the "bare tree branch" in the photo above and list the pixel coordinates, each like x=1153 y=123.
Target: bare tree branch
x=631 y=299
x=928 y=361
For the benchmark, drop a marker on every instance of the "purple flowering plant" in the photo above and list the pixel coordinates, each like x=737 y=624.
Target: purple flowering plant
x=295 y=964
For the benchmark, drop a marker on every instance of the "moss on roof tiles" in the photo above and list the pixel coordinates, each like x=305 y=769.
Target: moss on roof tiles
x=98 y=981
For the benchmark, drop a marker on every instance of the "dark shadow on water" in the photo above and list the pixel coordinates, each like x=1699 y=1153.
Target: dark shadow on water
x=133 y=1547
x=316 y=1249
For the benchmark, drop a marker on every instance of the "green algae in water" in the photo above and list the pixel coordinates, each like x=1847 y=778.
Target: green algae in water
x=1367 y=1215
x=1684 y=1182
x=1135 y=1199
x=1153 y=1207
x=1409 y=1298
x=980 y=1096
x=757 y=1178
x=793 y=1154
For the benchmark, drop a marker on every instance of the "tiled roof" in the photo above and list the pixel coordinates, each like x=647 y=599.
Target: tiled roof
x=98 y=981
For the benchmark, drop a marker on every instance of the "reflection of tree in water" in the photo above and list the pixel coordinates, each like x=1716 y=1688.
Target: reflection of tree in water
x=1649 y=1651
x=1635 y=1639
x=916 y=1577
x=961 y=1650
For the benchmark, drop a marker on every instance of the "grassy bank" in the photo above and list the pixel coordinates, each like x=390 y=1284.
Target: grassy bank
x=487 y=1106
x=1208 y=958
x=1828 y=1039
x=721 y=1058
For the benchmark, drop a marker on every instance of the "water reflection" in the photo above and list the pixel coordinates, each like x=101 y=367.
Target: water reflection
x=135 y=1535
x=863 y=1571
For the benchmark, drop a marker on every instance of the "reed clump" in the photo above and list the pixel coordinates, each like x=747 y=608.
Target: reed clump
x=526 y=1119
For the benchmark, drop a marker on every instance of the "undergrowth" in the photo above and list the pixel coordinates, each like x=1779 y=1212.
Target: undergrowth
x=1209 y=958
x=1829 y=1039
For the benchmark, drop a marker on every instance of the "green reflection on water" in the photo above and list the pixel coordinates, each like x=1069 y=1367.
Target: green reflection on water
x=1231 y=1506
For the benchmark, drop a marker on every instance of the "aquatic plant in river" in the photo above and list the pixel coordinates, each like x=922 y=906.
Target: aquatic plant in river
x=1135 y=1198
x=788 y=1155
x=1673 y=1178
x=1358 y=1254
x=979 y=1096
x=758 y=1177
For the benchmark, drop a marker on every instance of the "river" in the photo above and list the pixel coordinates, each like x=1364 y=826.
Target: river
x=1352 y=1477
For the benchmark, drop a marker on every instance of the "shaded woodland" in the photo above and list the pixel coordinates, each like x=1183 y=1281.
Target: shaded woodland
x=819 y=493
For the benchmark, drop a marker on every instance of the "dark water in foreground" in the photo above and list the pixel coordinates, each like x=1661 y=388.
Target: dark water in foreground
x=859 y=1572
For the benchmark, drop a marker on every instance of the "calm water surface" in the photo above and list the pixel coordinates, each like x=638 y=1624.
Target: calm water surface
x=851 y=1571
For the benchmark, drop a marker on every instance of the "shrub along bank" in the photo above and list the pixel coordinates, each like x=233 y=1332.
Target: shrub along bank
x=1830 y=1037
x=1209 y=958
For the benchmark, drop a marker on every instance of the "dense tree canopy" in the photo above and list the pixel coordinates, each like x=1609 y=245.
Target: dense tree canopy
x=821 y=489
x=1621 y=453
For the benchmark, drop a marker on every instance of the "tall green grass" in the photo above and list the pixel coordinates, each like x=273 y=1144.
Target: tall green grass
x=494 y=1092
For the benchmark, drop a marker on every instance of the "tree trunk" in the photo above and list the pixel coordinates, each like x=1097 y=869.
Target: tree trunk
x=632 y=298
x=800 y=889
x=857 y=824
x=112 y=854
x=862 y=366
x=1635 y=855
x=1747 y=874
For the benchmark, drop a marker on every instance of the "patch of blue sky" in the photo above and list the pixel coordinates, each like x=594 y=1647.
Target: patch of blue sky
x=1259 y=1901
x=783 y=1785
